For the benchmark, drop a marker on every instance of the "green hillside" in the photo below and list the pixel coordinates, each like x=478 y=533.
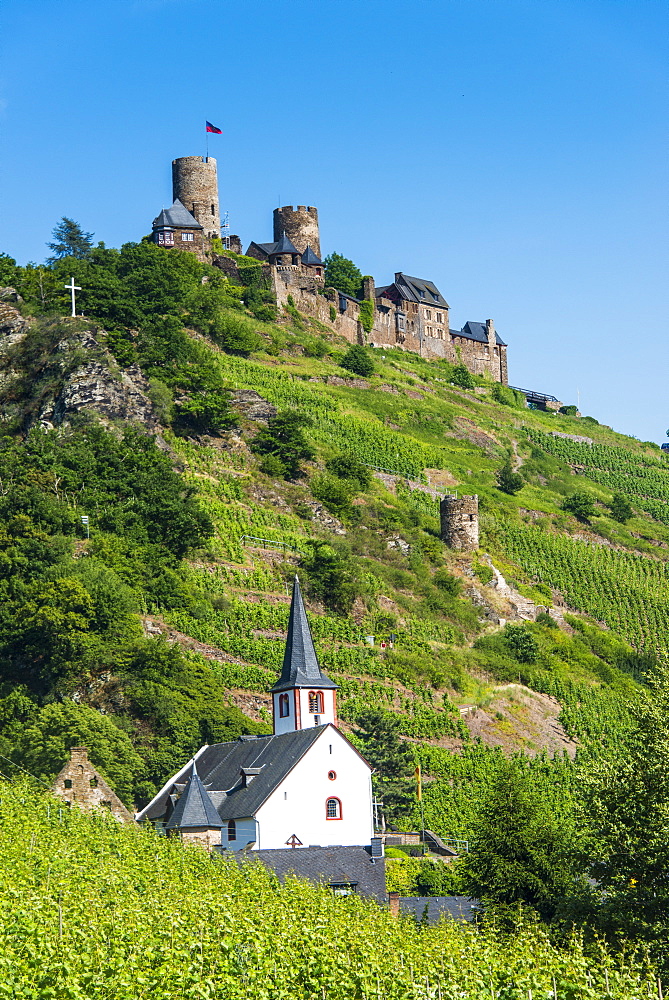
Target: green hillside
x=92 y=910
x=164 y=629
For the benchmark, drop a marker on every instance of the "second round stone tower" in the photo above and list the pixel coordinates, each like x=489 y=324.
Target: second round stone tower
x=300 y=226
x=460 y=522
x=195 y=184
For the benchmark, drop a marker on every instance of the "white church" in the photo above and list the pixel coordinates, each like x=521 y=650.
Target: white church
x=305 y=786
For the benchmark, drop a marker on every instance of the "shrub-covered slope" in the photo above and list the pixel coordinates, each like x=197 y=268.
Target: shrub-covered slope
x=218 y=448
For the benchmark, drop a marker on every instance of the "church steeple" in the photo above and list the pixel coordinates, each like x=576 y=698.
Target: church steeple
x=303 y=696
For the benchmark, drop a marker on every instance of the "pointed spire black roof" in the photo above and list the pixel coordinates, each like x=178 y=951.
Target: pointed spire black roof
x=309 y=257
x=194 y=808
x=300 y=663
x=284 y=245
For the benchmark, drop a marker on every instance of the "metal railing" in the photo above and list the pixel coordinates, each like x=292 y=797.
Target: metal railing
x=267 y=543
x=541 y=397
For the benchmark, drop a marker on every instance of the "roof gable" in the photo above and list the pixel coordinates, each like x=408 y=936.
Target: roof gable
x=420 y=290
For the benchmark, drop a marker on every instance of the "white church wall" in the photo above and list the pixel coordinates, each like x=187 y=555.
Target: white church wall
x=298 y=805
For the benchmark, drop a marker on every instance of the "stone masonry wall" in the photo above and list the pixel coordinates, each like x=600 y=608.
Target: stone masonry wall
x=300 y=226
x=460 y=522
x=79 y=783
x=195 y=184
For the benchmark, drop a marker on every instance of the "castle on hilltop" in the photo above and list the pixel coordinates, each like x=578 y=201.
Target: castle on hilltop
x=409 y=313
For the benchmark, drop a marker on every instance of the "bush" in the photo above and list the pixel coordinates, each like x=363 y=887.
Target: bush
x=347 y=466
x=332 y=576
x=620 y=508
x=462 y=377
x=284 y=439
x=580 y=504
x=507 y=396
x=358 y=361
x=335 y=494
x=273 y=467
x=367 y=315
x=333 y=314
x=521 y=643
x=569 y=411
x=315 y=348
x=447 y=583
x=509 y=481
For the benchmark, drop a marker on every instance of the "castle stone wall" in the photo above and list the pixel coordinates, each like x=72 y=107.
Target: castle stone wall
x=195 y=184
x=300 y=226
x=460 y=522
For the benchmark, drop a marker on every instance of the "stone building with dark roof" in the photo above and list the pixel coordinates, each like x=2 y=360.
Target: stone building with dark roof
x=175 y=227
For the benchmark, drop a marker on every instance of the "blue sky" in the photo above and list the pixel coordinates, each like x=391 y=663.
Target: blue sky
x=513 y=151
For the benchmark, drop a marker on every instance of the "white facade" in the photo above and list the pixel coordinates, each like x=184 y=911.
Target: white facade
x=302 y=708
x=298 y=807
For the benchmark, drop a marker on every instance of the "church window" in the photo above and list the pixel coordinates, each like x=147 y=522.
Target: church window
x=332 y=775
x=284 y=706
x=94 y=782
x=315 y=702
x=333 y=809
x=68 y=783
x=187 y=237
x=232 y=830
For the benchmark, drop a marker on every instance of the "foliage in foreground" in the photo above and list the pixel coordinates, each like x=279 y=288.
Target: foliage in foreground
x=91 y=910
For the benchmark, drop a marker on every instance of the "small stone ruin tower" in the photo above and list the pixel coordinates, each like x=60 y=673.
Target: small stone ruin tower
x=460 y=522
x=300 y=226
x=195 y=185
x=79 y=783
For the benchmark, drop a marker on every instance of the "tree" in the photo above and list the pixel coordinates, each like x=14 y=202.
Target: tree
x=8 y=270
x=284 y=439
x=332 y=576
x=358 y=361
x=392 y=760
x=620 y=507
x=346 y=465
x=520 y=851
x=580 y=504
x=69 y=240
x=342 y=274
x=508 y=480
x=521 y=643
x=625 y=815
x=461 y=376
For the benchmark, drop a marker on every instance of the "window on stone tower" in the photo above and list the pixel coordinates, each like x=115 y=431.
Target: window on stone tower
x=213 y=210
x=333 y=809
x=232 y=830
x=315 y=702
x=284 y=706
x=187 y=237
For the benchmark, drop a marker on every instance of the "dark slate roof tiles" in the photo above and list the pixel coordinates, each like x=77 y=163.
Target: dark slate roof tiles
x=176 y=217
x=311 y=258
x=300 y=663
x=330 y=865
x=194 y=807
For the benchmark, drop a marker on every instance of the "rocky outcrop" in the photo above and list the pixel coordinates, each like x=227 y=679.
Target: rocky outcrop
x=114 y=397
x=13 y=327
x=252 y=405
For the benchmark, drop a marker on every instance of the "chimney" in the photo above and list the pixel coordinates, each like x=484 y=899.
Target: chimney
x=79 y=755
x=490 y=331
x=394 y=904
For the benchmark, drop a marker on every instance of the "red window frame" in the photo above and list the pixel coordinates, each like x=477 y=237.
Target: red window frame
x=332 y=775
x=333 y=798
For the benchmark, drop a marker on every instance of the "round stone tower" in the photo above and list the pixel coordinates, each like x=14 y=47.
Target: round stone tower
x=460 y=522
x=300 y=226
x=195 y=184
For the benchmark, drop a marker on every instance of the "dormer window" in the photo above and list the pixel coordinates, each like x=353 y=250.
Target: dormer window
x=284 y=706
x=316 y=702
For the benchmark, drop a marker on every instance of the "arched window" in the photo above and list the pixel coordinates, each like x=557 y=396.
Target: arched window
x=316 y=702
x=332 y=775
x=232 y=830
x=333 y=809
x=284 y=706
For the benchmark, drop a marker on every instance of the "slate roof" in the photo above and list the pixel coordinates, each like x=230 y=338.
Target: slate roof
x=176 y=217
x=452 y=907
x=329 y=865
x=419 y=290
x=284 y=245
x=309 y=257
x=220 y=767
x=300 y=663
x=477 y=331
x=194 y=808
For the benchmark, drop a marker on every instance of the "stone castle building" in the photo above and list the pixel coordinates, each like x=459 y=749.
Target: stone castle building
x=409 y=313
